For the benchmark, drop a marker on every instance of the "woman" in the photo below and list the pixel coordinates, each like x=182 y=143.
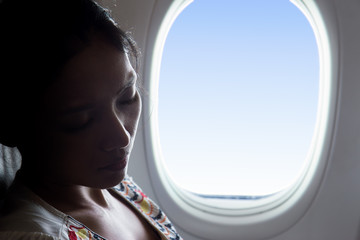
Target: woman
x=72 y=102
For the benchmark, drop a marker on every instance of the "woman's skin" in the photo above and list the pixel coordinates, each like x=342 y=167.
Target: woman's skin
x=84 y=132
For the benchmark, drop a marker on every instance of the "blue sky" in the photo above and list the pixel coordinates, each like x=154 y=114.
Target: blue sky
x=238 y=96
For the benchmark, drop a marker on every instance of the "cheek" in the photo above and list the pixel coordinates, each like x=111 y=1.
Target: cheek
x=76 y=146
x=71 y=159
x=133 y=116
x=64 y=151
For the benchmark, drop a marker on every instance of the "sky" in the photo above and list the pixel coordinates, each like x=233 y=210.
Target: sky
x=238 y=96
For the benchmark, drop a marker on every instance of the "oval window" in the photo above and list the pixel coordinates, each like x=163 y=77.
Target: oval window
x=238 y=97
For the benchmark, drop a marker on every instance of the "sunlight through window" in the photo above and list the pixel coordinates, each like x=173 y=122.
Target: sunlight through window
x=238 y=97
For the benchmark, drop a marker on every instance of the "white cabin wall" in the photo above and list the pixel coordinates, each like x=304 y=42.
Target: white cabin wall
x=335 y=213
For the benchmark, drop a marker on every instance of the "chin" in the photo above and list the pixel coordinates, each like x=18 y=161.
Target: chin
x=107 y=181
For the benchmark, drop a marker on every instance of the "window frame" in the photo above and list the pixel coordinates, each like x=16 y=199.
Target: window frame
x=274 y=214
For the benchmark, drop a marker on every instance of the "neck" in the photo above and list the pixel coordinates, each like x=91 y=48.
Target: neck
x=66 y=198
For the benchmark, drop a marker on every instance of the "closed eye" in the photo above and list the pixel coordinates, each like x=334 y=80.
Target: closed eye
x=77 y=127
x=129 y=96
x=76 y=122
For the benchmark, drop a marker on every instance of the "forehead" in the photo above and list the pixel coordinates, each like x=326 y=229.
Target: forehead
x=99 y=71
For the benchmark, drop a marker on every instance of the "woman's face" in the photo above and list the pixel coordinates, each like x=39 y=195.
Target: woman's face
x=89 y=120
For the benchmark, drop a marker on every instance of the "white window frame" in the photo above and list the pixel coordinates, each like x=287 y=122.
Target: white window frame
x=246 y=219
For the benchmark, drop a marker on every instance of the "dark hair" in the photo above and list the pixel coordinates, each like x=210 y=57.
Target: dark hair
x=37 y=38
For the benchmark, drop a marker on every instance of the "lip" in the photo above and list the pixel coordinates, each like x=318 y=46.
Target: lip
x=115 y=166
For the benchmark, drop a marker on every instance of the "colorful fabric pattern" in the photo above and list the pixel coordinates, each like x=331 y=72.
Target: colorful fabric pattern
x=82 y=233
x=134 y=195
x=148 y=208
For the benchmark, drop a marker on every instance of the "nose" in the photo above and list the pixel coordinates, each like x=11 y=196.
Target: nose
x=116 y=136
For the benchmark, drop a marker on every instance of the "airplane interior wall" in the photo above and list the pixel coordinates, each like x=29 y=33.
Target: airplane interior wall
x=331 y=210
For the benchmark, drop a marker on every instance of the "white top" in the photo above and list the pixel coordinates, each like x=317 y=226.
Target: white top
x=26 y=216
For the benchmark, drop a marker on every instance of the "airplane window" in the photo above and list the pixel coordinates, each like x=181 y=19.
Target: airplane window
x=238 y=96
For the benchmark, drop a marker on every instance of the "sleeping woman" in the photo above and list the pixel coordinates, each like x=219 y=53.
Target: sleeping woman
x=71 y=105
